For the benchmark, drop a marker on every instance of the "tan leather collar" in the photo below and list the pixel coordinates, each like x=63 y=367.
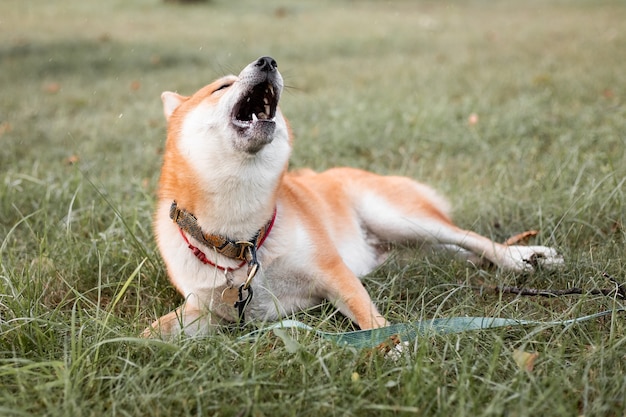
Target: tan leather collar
x=222 y=245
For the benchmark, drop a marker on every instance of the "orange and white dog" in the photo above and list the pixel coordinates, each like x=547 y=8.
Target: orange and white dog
x=243 y=239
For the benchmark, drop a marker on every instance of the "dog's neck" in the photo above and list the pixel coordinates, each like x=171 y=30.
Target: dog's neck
x=235 y=199
x=242 y=250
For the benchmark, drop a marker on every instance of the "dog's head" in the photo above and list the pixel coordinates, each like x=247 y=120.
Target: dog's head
x=238 y=113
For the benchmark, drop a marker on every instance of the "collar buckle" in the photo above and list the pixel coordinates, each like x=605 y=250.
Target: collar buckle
x=245 y=248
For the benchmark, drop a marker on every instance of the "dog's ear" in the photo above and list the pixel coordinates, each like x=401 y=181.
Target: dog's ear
x=171 y=101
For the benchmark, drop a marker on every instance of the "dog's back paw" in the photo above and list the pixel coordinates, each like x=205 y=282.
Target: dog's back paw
x=529 y=258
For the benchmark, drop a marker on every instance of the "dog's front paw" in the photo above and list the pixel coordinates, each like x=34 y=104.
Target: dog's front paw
x=529 y=258
x=156 y=331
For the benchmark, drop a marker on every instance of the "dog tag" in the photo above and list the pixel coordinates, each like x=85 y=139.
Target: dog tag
x=230 y=295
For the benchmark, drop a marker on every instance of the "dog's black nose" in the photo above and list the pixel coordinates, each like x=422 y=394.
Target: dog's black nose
x=266 y=64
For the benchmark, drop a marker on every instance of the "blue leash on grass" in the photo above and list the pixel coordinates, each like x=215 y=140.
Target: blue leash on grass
x=410 y=331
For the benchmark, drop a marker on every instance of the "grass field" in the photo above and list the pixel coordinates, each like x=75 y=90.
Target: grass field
x=515 y=110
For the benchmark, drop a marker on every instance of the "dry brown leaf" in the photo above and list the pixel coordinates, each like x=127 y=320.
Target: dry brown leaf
x=52 y=87
x=280 y=12
x=5 y=127
x=525 y=360
x=616 y=227
x=521 y=238
x=104 y=37
x=72 y=159
x=608 y=93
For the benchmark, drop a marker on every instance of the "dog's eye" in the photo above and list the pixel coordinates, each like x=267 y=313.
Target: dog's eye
x=222 y=87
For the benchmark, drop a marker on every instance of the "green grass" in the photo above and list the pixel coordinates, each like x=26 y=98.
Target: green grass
x=386 y=86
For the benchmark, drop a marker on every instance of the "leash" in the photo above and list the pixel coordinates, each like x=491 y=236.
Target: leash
x=410 y=331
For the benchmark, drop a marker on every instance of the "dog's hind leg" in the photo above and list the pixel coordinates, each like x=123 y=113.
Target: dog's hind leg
x=398 y=209
x=458 y=253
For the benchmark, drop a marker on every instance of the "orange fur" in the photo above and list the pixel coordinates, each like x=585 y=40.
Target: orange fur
x=225 y=161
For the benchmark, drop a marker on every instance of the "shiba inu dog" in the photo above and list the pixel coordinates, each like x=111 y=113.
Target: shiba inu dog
x=243 y=239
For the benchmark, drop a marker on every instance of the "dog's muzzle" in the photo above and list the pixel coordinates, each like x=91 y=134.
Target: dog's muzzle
x=254 y=114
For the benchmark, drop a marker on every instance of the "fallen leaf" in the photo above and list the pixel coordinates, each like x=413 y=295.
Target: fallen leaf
x=542 y=79
x=389 y=344
x=71 y=160
x=608 y=93
x=104 y=37
x=52 y=87
x=525 y=360
x=135 y=85
x=616 y=227
x=280 y=12
x=5 y=127
x=521 y=238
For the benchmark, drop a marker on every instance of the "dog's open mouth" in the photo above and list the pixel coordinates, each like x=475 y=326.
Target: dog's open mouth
x=258 y=105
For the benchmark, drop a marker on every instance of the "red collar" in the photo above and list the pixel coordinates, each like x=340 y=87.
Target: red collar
x=202 y=257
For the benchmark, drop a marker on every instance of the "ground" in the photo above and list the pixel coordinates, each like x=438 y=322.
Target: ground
x=515 y=111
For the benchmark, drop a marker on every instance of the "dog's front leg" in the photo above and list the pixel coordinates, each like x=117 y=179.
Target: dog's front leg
x=186 y=319
x=346 y=292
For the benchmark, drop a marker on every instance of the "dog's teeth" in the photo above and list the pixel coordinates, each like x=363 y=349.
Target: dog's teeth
x=262 y=116
x=267 y=109
x=271 y=89
x=266 y=100
x=254 y=117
